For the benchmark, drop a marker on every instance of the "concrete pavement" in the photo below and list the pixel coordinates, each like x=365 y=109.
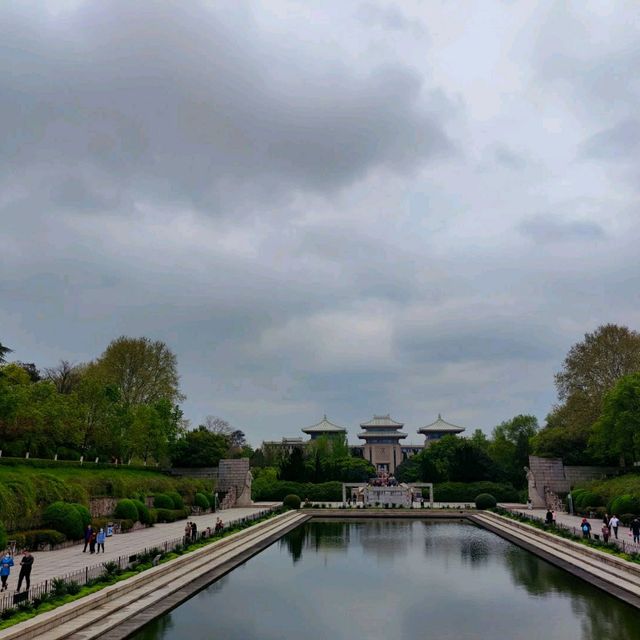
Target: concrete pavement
x=52 y=564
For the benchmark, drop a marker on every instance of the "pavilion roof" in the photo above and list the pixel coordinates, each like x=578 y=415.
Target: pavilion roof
x=324 y=426
x=441 y=426
x=382 y=421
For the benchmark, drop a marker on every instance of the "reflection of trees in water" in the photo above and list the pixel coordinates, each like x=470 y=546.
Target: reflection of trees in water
x=158 y=628
x=384 y=537
x=601 y=615
x=326 y=535
x=455 y=540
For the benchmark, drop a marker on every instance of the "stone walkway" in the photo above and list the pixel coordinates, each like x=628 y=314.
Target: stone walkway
x=51 y=564
x=573 y=522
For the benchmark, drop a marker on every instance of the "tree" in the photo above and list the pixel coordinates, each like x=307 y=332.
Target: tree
x=4 y=352
x=616 y=435
x=594 y=365
x=145 y=371
x=31 y=370
x=293 y=466
x=511 y=446
x=199 y=448
x=65 y=376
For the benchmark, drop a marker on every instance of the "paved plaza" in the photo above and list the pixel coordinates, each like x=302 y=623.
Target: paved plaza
x=50 y=564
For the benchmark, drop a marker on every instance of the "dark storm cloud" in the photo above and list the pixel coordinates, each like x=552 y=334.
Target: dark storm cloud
x=178 y=102
x=556 y=228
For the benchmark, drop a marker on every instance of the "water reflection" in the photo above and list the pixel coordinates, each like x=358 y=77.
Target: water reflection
x=397 y=579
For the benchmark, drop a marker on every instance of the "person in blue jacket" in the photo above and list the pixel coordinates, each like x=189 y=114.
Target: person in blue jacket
x=5 y=569
x=100 y=540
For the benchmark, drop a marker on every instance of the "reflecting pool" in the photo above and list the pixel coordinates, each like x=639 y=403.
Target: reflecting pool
x=397 y=579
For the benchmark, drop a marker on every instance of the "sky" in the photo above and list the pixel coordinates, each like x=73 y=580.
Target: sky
x=350 y=208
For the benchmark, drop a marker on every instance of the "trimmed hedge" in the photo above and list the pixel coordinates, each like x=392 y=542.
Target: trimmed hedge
x=65 y=518
x=84 y=513
x=32 y=540
x=126 y=509
x=176 y=498
x=144 y=515
x=162 y=501
x=279 y=489
x=625 y=504
x=292 y=501
x=171 y=515
x=200 y=500
x=467 y=491
x=485 y=501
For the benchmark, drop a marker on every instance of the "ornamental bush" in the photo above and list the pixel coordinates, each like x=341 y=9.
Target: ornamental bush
x=625 y=504
x=144 y=515
x=176 y=498
x=587 y=499
x=65 y=518
x=162 y=501
x=485 y=501
x=84 y=513
x=126 y=510
x=201 y=501
x=292 y=501
x=32 y=540
x=165 y=515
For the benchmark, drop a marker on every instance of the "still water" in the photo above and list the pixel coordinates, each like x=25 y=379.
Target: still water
x=396 y=579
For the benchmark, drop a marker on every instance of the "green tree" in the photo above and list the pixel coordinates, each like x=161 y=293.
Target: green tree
x=616 y=435
x=144 y=371
x=511 y=446
x=4 y=352
x=199 y=448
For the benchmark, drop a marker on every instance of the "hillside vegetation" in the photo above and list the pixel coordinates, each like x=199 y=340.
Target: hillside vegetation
x=25 y=490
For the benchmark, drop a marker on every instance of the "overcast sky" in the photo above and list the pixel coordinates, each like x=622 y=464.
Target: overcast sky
x=339 y=207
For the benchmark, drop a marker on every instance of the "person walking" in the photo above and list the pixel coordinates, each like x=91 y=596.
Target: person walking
x=605 y=533
x=100 y=538
x=187 y=532
x=586 y=528
x=614 y=523
x=605 y=519
x=88 y=532
x=548 y=520
x=635 y=530
x=5 y=569
x=194 y=532
x=92 y=542
x=26 y=564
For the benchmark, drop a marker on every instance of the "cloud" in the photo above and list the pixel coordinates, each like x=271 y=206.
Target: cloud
x=620 y=142
x=547 y=228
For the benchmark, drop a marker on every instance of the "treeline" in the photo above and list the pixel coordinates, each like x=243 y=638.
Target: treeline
x=499 y=459
x=122 y=406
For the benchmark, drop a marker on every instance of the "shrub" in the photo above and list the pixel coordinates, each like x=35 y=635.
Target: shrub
x=165 y=515
x=176 y=498
x=33 y=539
x=467 y=491
x=73 y=588
x=162 y=501
x=200 y=500
x=626 y=518
x=58 y=587
x=625 y=504
x=485 y=501
x=144 y=515
x=126 y=509
x=111 y=569
x=126 y=524
x=84 y=513
x=3 y=537
x=292 y=501
x=64 y=518
x=587 y=499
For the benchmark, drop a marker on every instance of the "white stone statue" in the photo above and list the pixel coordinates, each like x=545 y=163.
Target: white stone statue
x=244 y=499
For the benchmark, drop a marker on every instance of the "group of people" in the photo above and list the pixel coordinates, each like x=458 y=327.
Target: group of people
x=384 y=480
x=26 y=564
x=94 y=540
x=610 y=525
x=190 y=532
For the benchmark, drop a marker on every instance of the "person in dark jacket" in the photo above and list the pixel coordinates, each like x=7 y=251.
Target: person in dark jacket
x=549 y=518
x=635 y=530
x=586 y=528
x=194 y=531
x=87 y=537
x=92 y=541
x=26 y=564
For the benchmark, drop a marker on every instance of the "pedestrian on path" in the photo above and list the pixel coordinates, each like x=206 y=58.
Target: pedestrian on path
x=614 y=523
x=26 y=564
x=605 y=533
x=92 y=542
x=194 y=531
x=5 y=569
x=635 y=530
x=586 y=528
x=187 y=532
x=548 y=518
x=87 y=537
x=100 y=538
